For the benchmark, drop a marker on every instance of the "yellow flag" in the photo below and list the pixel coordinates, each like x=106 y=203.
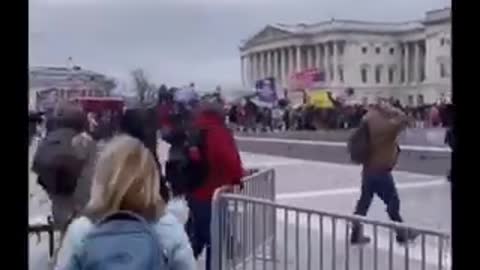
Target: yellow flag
x=320 y=99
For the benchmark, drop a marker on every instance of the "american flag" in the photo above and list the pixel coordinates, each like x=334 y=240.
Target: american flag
x=307 y=78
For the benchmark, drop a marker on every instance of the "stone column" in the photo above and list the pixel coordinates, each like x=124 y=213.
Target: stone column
x=285 y=73
x=247 y=64
x=406 y=61
x=335 y=61
x=242 y=69
x=325 y=61
x=299 y=58
x=254 y=67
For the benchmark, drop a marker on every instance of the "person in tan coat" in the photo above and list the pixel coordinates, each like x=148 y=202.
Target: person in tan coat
x=385 y=123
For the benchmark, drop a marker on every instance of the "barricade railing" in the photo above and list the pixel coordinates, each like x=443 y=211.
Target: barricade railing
x=257 y=184
x=260 y=185
x=309 y=239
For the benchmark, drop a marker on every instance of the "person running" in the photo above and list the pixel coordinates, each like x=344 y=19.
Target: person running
x=125 y=199
x=224 y=168
x=384 y=124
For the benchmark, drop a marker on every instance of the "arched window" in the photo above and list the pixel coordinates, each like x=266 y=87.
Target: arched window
x=378 y=73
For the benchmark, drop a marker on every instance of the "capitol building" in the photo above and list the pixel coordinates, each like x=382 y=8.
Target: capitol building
x=409 y=61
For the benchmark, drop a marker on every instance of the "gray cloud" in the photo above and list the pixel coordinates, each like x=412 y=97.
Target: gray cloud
x=178 y=41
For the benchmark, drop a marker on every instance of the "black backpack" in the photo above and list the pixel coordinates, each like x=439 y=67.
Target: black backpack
x=189 y=173
x=359 y=145
x=56 y=163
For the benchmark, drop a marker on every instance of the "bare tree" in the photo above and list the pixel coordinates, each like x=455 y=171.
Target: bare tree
x=145 y=90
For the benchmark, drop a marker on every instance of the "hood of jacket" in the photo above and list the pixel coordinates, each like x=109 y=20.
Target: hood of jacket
x=209 y=119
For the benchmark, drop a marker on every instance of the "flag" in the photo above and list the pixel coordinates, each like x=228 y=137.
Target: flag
x=320 y=99
x=308 y=78
x=266 y=90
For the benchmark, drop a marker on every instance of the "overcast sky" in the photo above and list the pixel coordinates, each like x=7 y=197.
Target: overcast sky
x=178 y=41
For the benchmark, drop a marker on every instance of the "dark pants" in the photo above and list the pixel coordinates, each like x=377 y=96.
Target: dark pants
x=198 y=227
x=381 y=184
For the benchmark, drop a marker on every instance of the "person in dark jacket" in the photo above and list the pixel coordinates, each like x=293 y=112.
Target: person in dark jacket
x=224 y=169
x=70 y=123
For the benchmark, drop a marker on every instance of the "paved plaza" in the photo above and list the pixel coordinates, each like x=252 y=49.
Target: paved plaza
x=425 y=199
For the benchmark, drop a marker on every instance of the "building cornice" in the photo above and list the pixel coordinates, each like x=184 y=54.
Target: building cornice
x=309 y=32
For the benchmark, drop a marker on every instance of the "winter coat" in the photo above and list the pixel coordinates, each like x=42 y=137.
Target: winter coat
x=385 y=124
x=171 y=235
x=64 y=208
x=224 y=164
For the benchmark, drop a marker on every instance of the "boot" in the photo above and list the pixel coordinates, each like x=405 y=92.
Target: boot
x=357 y=237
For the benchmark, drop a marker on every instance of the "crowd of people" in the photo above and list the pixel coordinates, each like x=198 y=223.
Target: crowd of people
x=114 y=198
x=251 y=117
x=100 y=188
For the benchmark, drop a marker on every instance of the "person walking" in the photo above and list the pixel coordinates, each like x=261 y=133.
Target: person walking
x=59 y=163
x=224 y=169
x=384 y=124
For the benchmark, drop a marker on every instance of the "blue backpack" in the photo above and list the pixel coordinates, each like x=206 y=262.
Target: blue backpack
x=121 y=241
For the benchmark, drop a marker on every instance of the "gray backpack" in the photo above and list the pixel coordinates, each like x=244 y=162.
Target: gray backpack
x=121 y=241
x=56 y=162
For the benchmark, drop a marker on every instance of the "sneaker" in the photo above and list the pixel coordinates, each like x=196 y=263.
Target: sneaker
x=359 y=240
x=403 y=238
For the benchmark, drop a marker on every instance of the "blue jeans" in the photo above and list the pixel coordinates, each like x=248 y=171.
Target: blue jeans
x=380 y=183
x=198 y=227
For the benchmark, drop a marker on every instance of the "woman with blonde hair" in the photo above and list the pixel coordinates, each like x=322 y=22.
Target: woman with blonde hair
x=125 y=225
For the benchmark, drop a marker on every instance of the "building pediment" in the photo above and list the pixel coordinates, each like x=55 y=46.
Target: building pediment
x=268 y=33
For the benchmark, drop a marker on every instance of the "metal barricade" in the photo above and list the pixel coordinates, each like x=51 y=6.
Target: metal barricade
x=309 y=239
x=242 y=243
x=260 y=183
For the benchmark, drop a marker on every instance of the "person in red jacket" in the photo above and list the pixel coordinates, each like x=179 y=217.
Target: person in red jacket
x=224 y=169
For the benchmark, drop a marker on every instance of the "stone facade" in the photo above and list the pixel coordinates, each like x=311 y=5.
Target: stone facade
x=409 y=61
